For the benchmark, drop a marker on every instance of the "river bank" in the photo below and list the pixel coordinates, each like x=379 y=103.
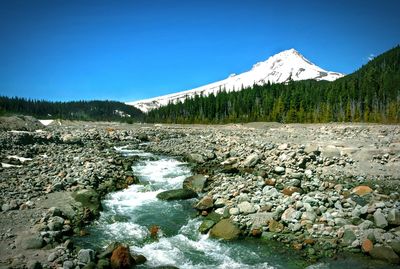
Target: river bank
x=293 y=183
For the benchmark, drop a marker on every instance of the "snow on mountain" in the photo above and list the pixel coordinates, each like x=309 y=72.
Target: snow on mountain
x=280 y=68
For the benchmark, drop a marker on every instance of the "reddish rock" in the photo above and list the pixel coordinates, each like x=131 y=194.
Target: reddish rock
x=297 y=246
x=290 y=190
x=154 y=231
x=121 y=258
x=367 y=245
x=309 y=241
x=270 y=181
x=275 y=226
x=361 y=190
x=256 y=232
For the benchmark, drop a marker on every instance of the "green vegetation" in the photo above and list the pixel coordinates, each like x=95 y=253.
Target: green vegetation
x=79 y=110
x=371 y=94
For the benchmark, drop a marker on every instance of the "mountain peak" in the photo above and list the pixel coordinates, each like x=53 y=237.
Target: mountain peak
x=288 y=65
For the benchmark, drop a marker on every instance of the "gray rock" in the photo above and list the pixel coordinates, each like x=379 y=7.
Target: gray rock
x=290 y=215
x=246 y=208
x=279 y=170
x=68 y=265
x=309 y=216
x=234 y=211
x=32 y=242
x=34 y=265
x=197 y=158
x=251 y=160
x=86 y=256
x=379 y=219
x=348 y=237
x=195 y=183
x=394 y=217
x=384 y=253
x=261 y=219
x=55 y=223
x=52 y=256
x=178 y=194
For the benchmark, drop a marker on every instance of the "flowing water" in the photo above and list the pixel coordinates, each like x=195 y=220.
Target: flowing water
x=128 y=215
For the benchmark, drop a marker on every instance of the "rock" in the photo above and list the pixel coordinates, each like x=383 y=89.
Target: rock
x=52 y=256
x=290 y=215
x=251 y=160
x=246 y=208
x=139 y=259
x=275 y=227
x=290 y=190
x=384 y=253
x=106 y=254
x=177 y=194
x=394 y=217
x=121 y=258
x=103 y=264
x=225 y=229
x=205 y=203
x=279 y=170
x=283 y=146
x=220 y=202
x=330 y=151
x=362 y=190
x=90 y=265
x=395 y=245
x=310 y=216
x=234 y=211
x=195 y=183
x=348 y=237
x=261 y=219
x=88 y=198
x=379 y=219
x=367 y=245
x=206 y=225
x=32 y=242
x=197 y=158
x=70 y=139
x=68 y=265
x=55 y=223
x=85 y=256
x=34 y=265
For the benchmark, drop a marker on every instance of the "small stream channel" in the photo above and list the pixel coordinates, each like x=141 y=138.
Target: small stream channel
x=128 y=215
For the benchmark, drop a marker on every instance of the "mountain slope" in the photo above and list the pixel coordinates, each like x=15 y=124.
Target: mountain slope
x=281 y=68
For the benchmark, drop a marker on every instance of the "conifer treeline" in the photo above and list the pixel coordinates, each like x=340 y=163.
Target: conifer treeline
x=371 y=94
x=76 y=110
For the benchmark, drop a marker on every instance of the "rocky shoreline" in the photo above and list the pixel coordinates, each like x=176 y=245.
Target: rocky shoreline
x=318 y=188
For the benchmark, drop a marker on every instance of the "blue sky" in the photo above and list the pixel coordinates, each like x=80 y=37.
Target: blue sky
x=130 y=50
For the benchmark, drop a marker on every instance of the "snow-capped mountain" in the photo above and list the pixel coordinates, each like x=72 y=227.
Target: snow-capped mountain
x=280 y=68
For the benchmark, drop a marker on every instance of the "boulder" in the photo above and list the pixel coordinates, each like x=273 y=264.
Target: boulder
x=197 y=158
x=225 y=229
x=195 y=183
x=394 y=217
x=177 y=194
x=290 y=215
x=395 y=245
x=251 y=160
x=88 y=198
x=348 y=237
x=260 y=219
x=206 y=225
x=367 y=245
x=380 y=220
x=205 y=203
x=361 y=190
x=246 y=208
x=275 y=227
x=31 y=241
x=85 y=256
x=121 y=258
x=384 y=253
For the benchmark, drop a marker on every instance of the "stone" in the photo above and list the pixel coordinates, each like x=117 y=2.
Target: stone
x=177 y=194
x=70 y=139
x=103 y=264
x=379 y=219
x=121 y=258
x=384 y=253
x=34 y=265
x=260 y=219
x=361 y=190
x=310 y=216
x=367 y=245
x=139 y=259
x=52 y=256
x=220 y=202
x=393 y=217
x=279 y=170
x=68 y=265
x=348 y=237
x=290 y=215
x=205 y=203
x=395 y=245
x=88 y=198
x=251 y=160
x=275 y=227
x=32 y=242
x=225 y=229
x=206 y=225
x=86 y=256
x=195 y=183
x=246 y=208
x=234 y=211
x=55 y=223
x=290 y=190
x=197 y=158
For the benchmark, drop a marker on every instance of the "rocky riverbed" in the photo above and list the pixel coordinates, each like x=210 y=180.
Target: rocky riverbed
x=320 y=189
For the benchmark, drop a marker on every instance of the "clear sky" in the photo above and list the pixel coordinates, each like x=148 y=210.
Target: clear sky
x=130 y=50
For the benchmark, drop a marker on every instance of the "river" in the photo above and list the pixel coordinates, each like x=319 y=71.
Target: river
x=128 y=215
